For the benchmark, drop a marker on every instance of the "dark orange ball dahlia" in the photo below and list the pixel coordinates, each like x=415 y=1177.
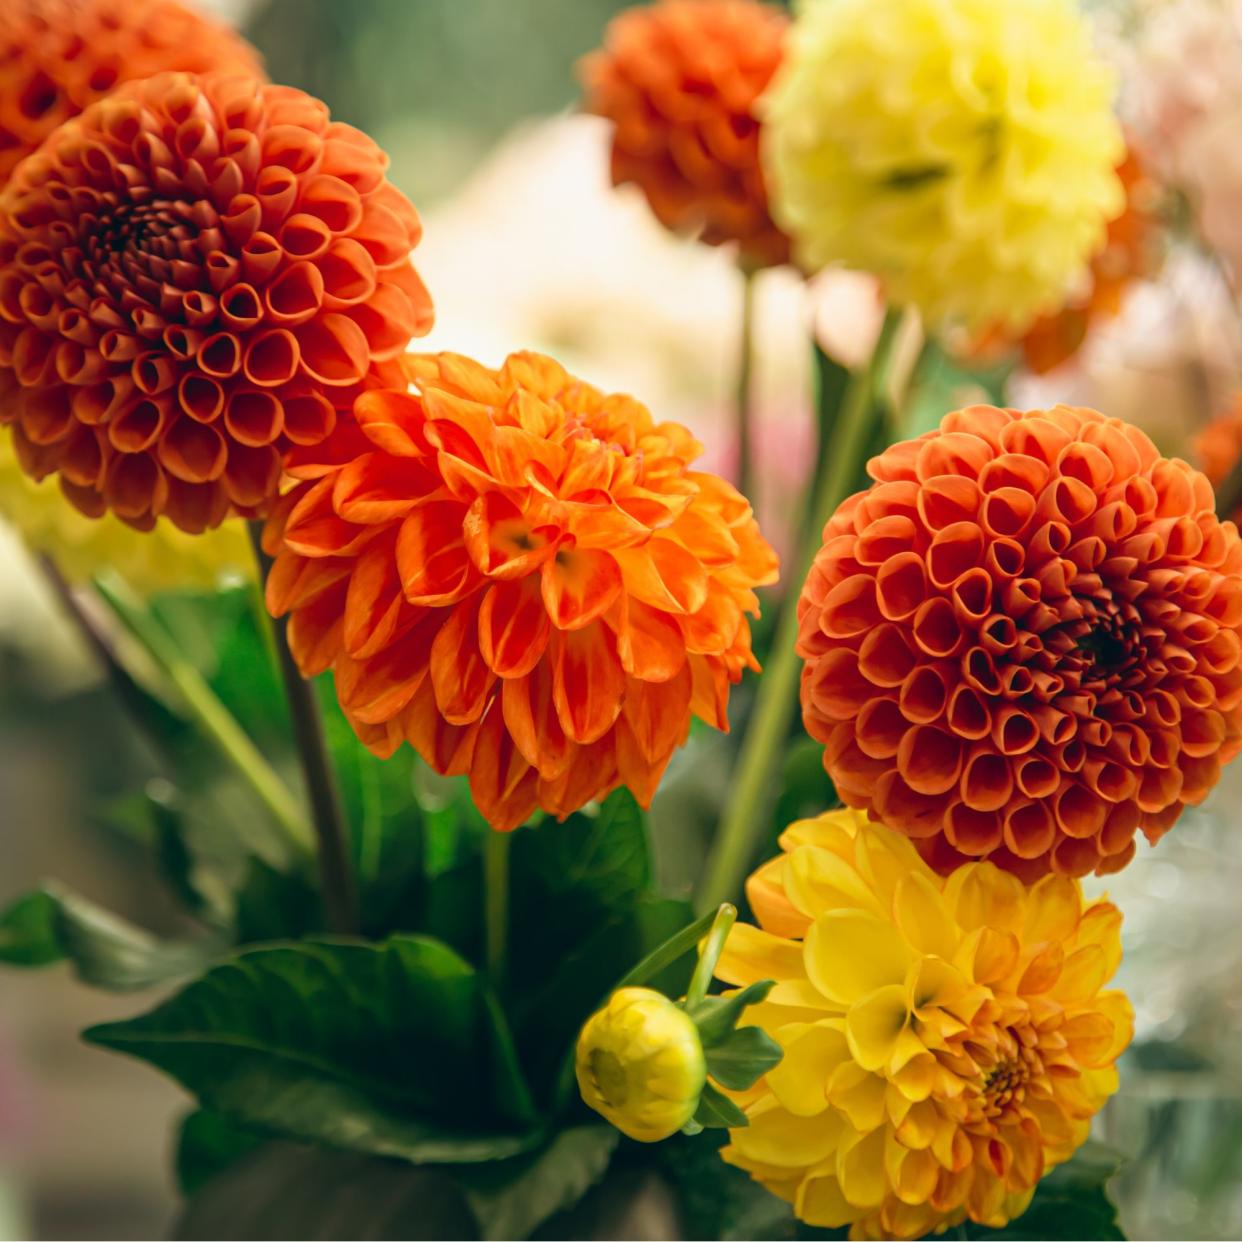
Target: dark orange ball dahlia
x=57 y=57
x=522 y=577
x=1022 y=641
x=680 y=80
x=197 y=274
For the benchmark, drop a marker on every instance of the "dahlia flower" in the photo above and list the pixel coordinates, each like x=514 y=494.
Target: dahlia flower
x=164 y=559
x=946 y=1041
x=640 y=1064
x=523 y=578
x=196 y=275
x=59 y=56
x=1022 y=641
x=679 y=80
x=961 y=150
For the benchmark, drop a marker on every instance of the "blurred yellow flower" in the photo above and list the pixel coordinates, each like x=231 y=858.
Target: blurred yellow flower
x=962 y=150
x=166 y=559
x=640 y=1064
x=946 y=1039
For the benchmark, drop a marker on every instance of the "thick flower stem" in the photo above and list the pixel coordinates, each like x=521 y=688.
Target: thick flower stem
x=496 y=904
x=212 y=717
x=743 y=823
x=336 y=876
x=741 y=392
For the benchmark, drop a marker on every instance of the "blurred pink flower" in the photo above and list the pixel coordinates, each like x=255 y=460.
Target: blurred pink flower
x=1184 y=89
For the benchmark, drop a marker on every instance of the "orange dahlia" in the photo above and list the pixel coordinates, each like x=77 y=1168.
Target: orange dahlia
x=523 y=578
x=1022 y=641
x=679 y=80
x=196 y=275
x=1128 y=254
x=59 y=56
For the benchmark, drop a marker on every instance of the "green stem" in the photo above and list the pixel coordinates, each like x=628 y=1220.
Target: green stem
x=722 y=924
x=336 y=876
x=215 y=720
x=101 y=645
x=496 y=904
x=667 y=953
x=741 y=392
x=1229 y=493
x=743 y=823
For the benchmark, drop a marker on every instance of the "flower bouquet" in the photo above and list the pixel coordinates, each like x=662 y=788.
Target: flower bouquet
x=432 y=981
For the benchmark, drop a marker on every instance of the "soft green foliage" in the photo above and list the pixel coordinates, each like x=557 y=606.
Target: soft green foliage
x=396 y=1049
x=55 y=924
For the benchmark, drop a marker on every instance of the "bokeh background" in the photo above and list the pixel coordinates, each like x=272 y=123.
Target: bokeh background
x=527 y=245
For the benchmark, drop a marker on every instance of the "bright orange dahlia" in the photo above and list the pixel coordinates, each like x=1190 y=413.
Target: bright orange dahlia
x=196 y=275
x=679 y=80
x=521 y=577
x=1022 y=641
x=59 y=56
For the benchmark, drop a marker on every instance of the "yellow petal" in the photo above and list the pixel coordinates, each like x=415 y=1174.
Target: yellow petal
x=923 y=916
x=818 y=880
x=800 y=1081
x=821 y=1204
x=850 y=954
x=883 y=857
x=751 y=955
x=1053 y=908
x=860 y=1170
x=1085 y=972
x=774 y=912
x=874 y=1025
x=777 y=1137
x=859 y=1095
x=981 y=895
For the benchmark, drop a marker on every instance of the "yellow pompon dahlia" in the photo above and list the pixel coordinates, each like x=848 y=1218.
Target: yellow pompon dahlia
x=640 y=1064
x=162 y=559
x=961 y=150
x=946 y=1039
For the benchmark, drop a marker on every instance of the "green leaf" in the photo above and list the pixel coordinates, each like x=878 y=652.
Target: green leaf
x=104 y=950
x=717 y=1016
x=743 y=1057
x=276 y=905
x=511 y=1198
x=28 y=931
x=716 y=1110
x=1071 y=1202
x=207 y=1144
x=396 y=1049
x=580 y=917
x=285 y=1190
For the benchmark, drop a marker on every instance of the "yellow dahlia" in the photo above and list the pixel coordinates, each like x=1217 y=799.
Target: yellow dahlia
x=164 y=559
x=946 y=1039
x=962 y=150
